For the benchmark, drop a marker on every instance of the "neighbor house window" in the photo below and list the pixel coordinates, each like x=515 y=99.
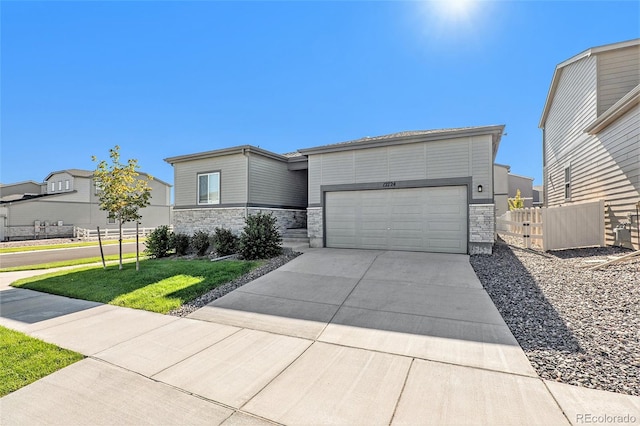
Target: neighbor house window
x=209 y=188
x=567 y=182
x=53 y=186
x=59 y=185
x=67 y=184
x=111 y=219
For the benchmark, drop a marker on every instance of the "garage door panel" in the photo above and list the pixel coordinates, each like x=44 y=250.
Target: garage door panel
x=416 y=219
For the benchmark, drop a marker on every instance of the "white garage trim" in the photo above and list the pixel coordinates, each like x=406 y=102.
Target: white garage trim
x=432 y=219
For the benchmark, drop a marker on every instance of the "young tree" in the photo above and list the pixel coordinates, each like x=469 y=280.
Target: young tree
x=517 y=202
x=121 y=192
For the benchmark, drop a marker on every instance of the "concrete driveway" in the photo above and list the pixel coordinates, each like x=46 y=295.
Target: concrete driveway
x=333 y=337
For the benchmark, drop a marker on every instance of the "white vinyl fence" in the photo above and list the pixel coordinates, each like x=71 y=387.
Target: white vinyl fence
x=88 y=234
x=556 y=228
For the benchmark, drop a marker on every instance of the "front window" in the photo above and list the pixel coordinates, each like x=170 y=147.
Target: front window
x=67 y=185
x=59 y=185
x=53 y=186
x=209 y=188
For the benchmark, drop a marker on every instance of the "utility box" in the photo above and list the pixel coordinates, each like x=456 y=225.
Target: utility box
x=622 y=236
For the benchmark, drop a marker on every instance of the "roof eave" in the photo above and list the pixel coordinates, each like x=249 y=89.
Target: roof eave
x=496 y=131
x=616 y=110
x=225 y=151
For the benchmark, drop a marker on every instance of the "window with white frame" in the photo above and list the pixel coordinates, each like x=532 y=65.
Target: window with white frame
x=59 y=185
x=209 y=188
x=53 y=187
x=567 y=182
x=111 y=219
x=67 y=185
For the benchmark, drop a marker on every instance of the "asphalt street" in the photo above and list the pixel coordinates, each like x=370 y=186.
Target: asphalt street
x=56 y=255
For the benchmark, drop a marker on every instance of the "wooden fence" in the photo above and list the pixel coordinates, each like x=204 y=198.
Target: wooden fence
x=556 y=228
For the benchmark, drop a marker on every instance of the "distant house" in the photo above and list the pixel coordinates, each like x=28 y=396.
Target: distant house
x=429 y=190
x=65 y=199
x=506 y=186
x=591 y=135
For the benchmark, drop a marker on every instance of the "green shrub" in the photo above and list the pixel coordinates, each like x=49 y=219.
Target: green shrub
x=159 y=242
x=225 y=242
x=200 y=242
x=180 y=242
x=260 y=238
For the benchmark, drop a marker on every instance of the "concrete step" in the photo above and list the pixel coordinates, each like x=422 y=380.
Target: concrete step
x=295 y=240
x=295 y=232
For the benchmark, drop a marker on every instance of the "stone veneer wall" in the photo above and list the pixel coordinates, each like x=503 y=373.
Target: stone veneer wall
x=314 y=227
x=188 y=221
x=481 y=228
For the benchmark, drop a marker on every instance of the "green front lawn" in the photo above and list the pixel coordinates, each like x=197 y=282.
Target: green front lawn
x=24 y=360
x=160 y=285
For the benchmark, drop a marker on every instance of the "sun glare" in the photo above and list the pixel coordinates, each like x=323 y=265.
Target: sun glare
x=455 y=10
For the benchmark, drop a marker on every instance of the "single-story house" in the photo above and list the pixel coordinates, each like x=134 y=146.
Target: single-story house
x=428 y=190
x=591 y=136
x=67 y=199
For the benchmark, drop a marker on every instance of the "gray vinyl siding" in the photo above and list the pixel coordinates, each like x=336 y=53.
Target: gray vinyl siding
x=233 y=179
x=272 y=183
x=453 y=158
x=618 y=73
x=604 y=166
x=82 y=215
x=21 y=188
x=572 y=109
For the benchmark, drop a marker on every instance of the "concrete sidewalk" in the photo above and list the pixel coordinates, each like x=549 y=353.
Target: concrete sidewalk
x=333 y=337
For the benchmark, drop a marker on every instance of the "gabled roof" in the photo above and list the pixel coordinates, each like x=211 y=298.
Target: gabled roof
x=89 y=174
x=587 y=53
x=410 y=137
x=72 y=172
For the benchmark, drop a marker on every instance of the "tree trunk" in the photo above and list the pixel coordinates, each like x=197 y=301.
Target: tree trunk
x=120 y=240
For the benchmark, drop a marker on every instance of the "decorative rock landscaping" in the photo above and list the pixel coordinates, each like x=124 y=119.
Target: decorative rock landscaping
x=576 y=326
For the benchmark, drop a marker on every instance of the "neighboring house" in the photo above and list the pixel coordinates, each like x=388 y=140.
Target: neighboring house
x=421 y=191
x=506 y=186
x=17 y=191
x=538 y=196
x=69 y=198
x=591 y=135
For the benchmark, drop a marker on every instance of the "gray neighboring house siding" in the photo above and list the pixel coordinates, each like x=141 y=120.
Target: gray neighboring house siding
x=591 y=136
x=69 y=196
x=430 y=159
x=252 y=180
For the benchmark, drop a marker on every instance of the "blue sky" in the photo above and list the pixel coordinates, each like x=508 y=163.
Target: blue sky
x=165 y=78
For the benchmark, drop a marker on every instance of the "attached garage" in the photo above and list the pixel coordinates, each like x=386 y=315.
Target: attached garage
x=428 y=190
x=432 y=219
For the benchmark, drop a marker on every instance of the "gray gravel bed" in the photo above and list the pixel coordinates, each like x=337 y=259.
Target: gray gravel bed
x=576 y=326
x=216 y=293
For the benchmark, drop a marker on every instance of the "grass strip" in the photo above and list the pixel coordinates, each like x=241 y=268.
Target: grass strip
x=72 y=262
x=24 y=359
x=63 y=245
x=160 y=286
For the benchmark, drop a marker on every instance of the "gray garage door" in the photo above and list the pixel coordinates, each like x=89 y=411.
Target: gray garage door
x=413 y=219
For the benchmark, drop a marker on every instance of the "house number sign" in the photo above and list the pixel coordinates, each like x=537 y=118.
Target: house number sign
x=389 y=184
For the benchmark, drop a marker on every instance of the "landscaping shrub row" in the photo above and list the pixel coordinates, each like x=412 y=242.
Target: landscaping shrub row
x=259 y=239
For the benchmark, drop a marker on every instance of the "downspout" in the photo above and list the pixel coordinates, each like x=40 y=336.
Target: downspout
x=246 y=204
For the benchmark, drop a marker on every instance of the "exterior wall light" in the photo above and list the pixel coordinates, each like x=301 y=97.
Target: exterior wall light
x=479 y=188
